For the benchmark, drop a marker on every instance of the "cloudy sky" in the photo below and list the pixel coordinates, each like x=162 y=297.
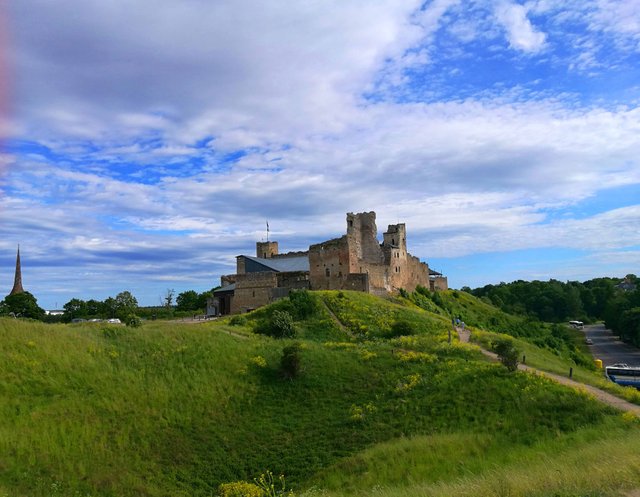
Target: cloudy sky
x=145 y=144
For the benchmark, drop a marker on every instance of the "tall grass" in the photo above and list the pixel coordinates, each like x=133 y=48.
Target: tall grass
x=588 y=463
x=177 y=409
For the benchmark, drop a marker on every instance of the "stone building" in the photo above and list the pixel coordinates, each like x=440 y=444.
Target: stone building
x=260 y=280
x=355 y=261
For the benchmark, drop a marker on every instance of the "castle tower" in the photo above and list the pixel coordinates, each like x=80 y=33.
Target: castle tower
x=17 y=282
x=396 y=237
x=265 y=250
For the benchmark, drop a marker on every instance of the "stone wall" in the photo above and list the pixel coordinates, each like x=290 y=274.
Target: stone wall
x=329 y=264
x=438 y=283
x=253 y=290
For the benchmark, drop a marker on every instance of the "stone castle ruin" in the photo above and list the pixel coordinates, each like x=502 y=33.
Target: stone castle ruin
x=355 y=261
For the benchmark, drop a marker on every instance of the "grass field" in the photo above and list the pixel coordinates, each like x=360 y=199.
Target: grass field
x=177 y=409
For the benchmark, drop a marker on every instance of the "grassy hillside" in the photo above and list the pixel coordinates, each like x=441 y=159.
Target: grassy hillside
x=176 y=409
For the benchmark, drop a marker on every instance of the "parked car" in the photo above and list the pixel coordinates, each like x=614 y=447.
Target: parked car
x=114 y=321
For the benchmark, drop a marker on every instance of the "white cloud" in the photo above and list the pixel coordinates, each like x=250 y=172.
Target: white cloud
x=134 y=108
x=520 y=32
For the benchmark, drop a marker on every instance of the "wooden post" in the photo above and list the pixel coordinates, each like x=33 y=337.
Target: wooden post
x=570 y=372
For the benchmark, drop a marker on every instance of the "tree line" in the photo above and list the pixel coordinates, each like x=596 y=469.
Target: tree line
x=123 y=306
x=616 y=301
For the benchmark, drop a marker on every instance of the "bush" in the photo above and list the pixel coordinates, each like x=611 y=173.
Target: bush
x=240 y=489
x=133 y=321
x=401 y=328
x=279 y=325
x=303 y=305
x=282 y=324
x=507 y=353
x=290 y=361
x=238 y=321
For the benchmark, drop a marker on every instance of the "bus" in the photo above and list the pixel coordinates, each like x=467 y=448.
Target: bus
x=577 y=324
x=624 y=375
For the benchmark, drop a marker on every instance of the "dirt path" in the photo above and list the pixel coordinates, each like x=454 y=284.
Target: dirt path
x=601 y=395
x=335 y=318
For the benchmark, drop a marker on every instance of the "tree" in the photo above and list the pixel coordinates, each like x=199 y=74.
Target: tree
x=109 y=308
x=22 y=305
x=75 y=308
x=188 y=301
x=125 y=305
x=94 y=308
x=167 y=300
x=507 y=353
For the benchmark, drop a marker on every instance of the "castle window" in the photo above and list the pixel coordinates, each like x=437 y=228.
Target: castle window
x=254 y=293
x=351 y=223
x=393 y=241
x=327 y=272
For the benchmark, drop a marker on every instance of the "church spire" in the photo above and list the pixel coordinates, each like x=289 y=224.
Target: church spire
x=17 y=282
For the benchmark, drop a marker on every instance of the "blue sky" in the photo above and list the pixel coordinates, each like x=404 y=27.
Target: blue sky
x=145 y=144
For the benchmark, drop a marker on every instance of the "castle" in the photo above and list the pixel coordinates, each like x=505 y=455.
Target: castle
x=355 y=261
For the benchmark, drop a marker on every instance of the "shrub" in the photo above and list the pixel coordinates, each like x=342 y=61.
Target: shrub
x=282 y=325
x=404 y=293
x=423 y=291
x=278 y=325
x=401 y=328
x=267 y=483
x=238 y=320
x=290 y=362
x=133 y=321
x=507 y=353
x=302 y=303
x=240 y=489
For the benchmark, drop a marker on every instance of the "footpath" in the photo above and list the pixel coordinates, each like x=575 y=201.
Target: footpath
x=601 y=395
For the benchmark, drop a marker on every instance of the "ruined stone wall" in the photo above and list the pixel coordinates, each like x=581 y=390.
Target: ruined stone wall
x=379 y=283
x=396 y=236
x=290 y=254
x=387 y=267
x=357 y=282
x=438 y=283
x=293 y=280
x=409 y=273
x=253 y=290
x=362 y=233
x=329 y=264
x=228 y=279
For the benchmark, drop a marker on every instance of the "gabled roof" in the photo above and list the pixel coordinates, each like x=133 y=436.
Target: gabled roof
x=282 y=264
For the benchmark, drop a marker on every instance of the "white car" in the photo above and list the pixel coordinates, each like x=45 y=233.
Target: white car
x=114 y=321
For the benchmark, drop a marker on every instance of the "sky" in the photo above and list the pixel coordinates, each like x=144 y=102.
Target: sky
x=143 y=145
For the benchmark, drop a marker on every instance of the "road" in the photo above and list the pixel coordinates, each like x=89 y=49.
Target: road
x=608 y=348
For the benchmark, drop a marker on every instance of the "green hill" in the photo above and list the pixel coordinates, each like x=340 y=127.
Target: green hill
x=177 y=409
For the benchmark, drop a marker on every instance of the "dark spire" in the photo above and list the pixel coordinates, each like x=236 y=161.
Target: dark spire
x=17 y=282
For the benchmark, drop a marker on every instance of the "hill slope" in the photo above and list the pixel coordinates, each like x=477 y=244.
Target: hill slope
x=177 y=409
